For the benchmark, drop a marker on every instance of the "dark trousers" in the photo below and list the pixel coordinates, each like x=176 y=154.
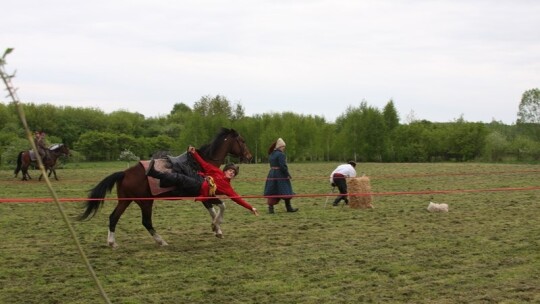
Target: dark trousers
x=341 y=183
x=186 y=185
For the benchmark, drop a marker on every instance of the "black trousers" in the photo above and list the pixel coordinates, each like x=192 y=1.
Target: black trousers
x=185 y=185
x=341 y=184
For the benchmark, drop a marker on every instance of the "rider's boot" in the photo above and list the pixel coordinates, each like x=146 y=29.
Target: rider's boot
x=152 y=172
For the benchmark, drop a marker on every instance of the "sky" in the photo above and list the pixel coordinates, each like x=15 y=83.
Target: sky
x=438 y=60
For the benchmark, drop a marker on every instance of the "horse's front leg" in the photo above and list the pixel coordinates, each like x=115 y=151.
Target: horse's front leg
x=219 y=219
x=209 y=204
x=146 y=210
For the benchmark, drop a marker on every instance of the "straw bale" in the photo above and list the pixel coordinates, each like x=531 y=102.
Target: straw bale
x=359 y=185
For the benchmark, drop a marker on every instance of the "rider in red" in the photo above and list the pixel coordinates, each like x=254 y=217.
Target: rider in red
x=208 y=183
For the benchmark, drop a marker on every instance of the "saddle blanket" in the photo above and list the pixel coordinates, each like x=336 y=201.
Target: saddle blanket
x=160 y=165
x=32 y=155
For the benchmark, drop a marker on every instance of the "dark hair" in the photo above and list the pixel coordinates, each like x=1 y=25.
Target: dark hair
x=272 y=148
x=352 y=163
x=232 y=166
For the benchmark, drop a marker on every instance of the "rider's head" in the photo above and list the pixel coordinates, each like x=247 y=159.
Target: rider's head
x=232 y=168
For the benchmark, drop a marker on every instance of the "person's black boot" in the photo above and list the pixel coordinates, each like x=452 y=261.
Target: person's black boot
x=336 y=202
x=289 y=207
x=150 y=171
x=271 y=209
x=165 y=179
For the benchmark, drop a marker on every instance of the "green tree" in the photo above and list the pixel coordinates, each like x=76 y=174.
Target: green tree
x=391 y=117
x=529 y=107
x=496 y=147
x=96 y=145
x=525 y=149
x=411 y=142
x=125 y=122
x=528 y=122
x=181 y=108
x=361 y=133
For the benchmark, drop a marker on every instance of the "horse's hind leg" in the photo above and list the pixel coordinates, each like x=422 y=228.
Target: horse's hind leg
x=25 y=175
x=146 y=211
x=113 y=220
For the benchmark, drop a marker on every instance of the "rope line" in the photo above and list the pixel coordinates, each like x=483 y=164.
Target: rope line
x=381 y=177
x=169 y=198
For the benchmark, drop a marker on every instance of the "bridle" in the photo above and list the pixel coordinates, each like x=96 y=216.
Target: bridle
x=242 y=148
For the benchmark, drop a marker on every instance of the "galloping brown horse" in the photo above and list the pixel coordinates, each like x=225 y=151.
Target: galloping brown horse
x=132 y=185
x=24 y=160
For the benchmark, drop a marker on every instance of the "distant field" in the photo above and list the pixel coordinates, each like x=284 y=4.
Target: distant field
x=485 y=250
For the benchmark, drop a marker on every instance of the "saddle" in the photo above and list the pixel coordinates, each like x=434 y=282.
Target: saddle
x=184 y=164
x=33 y=155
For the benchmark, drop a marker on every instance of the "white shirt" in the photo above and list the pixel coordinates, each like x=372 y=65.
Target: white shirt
x=346 y=170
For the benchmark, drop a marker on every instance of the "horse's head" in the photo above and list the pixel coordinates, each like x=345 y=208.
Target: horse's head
x=227 y=141
x=239 y=148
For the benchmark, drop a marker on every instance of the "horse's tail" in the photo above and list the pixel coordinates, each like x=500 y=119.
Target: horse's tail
x=19 y=164
x=97 y=194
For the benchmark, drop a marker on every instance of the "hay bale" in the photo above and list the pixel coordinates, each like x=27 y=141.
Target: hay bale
x=359 y=185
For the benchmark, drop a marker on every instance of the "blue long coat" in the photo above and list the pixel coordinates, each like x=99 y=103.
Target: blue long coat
x=278 y=181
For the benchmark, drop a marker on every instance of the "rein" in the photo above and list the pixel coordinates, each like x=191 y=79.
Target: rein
x=240 y=146
x=242 y=150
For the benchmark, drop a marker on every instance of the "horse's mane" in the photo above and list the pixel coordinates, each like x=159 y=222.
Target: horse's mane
x=207 y=150
x=55 y=146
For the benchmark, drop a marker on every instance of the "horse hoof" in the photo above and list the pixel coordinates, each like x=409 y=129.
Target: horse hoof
x=214 y=228
x=113 y=245
x=219 y=235
x=163 y=243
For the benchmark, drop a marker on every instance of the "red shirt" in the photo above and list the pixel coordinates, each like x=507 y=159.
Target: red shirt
x=223 y=184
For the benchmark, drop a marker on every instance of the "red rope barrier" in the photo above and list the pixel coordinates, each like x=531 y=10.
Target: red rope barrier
x=48 y=200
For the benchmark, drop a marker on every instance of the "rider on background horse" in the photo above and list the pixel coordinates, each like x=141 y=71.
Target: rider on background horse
x=39 y=140
x=208 y=183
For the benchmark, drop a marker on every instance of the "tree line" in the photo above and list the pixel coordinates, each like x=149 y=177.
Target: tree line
x=362 y=133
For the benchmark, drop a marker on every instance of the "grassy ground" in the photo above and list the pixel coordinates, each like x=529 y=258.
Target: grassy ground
x=485 y=250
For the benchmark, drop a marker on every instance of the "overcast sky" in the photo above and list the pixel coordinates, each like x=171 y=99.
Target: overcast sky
x=438 y=60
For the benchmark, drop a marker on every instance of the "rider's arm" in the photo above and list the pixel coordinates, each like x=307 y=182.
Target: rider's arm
x=229 y=191
x=207 y=167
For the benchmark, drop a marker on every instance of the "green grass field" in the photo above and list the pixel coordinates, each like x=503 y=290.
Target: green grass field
x=485 y=250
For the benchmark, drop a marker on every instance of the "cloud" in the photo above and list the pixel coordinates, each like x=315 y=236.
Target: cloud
x=440 y=59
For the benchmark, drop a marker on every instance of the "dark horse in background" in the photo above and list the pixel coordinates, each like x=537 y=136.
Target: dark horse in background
x=132 y=185
x=27 y=158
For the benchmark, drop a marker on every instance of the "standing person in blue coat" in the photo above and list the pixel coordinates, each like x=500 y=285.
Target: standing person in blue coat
x=278 y=181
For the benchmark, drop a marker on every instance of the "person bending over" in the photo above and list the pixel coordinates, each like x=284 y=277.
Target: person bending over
x=338 y=178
